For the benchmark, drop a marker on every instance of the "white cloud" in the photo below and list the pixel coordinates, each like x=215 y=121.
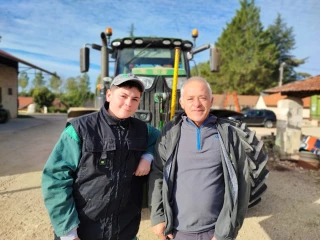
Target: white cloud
x=56 y=29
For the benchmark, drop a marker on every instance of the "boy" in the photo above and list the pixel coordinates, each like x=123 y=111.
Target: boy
x=91 y=182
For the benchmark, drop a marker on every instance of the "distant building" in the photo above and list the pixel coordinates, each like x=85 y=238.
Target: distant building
x=245 y=101
x=58 y=105
x=270 y=102
x=24 y=103
x=9 y=71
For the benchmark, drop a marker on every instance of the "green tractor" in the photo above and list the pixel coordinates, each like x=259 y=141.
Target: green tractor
x=159 y=62
x=152 y=60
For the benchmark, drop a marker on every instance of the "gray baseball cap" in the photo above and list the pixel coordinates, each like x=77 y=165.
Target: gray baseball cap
x=121 y=78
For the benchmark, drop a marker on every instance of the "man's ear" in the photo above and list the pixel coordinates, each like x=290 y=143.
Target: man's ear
x=211 y=101
x=181 y=103
x=108 y=95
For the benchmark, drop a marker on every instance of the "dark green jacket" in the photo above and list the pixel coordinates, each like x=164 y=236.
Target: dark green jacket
x=236 y=177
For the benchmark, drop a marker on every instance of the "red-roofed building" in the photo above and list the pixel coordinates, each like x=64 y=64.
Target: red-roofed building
x=9 y=70
x=270 y=102
x=24 y=102
x=245 y=101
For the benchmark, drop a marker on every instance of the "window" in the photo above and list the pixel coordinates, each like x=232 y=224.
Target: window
x=260 y=113
x=9 y=91
x=148 y=61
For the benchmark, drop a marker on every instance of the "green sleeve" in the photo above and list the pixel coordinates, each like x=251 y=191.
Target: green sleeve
x=57 y=182
x=153 y=134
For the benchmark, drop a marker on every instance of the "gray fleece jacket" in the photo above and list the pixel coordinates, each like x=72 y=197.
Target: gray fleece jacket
x=235 y=172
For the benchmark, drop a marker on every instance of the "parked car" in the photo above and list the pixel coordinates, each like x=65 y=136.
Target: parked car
x=4 y=115
x=257 y=117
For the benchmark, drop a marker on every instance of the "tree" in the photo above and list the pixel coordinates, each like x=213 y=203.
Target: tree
x=283 y=37
x=248 y=56
x=38 y=80
x=84 y=90
x=55 y=83
x=203 y=70
x=70 y=97
x=23 y=80
x=77 y=90
x=98 y=81
x=43 y=97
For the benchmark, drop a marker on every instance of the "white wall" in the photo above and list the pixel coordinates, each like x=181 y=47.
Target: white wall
x=260 y=103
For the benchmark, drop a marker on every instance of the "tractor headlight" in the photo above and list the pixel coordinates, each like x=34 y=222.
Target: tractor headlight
x=166 y=42
x=116 y=44
x=127 y=41
x=138 y=41
x=143 y=115
x=147 y=81
x=176 y=42
x=181 y=81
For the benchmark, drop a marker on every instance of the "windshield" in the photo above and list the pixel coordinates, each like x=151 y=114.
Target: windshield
x=147 y=63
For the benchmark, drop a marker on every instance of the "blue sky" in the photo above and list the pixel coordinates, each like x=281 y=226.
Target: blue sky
x=50 y=33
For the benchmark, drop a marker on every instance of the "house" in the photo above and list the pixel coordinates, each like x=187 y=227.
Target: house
x=270 y=102
x=24 y=103
x=245 y=101
x=9 y=71
x=59 y=106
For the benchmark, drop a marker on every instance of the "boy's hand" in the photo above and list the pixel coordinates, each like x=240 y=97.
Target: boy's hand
x=143 y=168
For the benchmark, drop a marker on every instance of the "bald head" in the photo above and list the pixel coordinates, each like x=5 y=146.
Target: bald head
x=199 y=80
x=196 y=99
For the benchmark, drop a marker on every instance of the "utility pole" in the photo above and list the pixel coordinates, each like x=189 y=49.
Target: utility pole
x=281 y=73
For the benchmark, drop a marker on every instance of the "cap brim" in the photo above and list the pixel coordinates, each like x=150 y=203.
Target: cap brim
x=133 y=80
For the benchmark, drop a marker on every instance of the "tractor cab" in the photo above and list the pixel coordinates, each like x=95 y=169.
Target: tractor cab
x=152 y=60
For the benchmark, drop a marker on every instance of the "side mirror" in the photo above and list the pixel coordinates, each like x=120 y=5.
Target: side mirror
x=84 y=59
x=214 y=59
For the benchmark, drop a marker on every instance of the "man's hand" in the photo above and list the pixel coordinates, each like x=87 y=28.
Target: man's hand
x=159 y=230
x=213 y=238
x=143 y=168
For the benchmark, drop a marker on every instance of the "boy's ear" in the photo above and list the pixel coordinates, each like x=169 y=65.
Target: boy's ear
x=108 y=95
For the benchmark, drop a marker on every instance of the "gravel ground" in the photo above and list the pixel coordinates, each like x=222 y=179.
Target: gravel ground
x=290 y=208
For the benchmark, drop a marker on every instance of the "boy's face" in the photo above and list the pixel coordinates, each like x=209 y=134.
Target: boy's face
x=123 y=101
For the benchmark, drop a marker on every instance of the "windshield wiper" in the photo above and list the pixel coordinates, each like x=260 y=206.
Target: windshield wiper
x=142 y=50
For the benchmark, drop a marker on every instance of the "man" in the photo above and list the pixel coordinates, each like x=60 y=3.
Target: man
x=91 y=183
x=199 y=180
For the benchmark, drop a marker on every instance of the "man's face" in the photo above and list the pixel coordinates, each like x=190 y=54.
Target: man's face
x=123 y=102
x=196 y=101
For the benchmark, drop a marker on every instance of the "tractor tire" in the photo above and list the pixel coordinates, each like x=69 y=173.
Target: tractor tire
x=257 y=162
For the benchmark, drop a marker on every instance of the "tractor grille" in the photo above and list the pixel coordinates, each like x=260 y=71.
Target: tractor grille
x=151 y=109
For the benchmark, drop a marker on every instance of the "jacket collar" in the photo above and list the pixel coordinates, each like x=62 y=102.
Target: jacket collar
x=183 y=116
x=111 y=120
